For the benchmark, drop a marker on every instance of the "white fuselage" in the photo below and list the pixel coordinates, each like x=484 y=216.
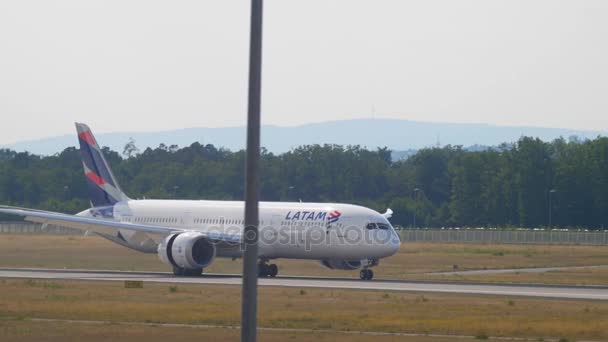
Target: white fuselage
x=286 y=230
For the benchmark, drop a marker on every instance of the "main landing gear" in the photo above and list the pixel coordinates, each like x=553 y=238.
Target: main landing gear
x=186 y=272
x=267 y=270
x=366 y=274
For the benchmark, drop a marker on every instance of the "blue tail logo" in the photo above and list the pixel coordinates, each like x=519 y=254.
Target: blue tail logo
x=103 y=187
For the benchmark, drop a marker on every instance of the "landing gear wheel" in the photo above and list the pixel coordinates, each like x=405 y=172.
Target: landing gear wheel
x=266 y=270
x=366 y=274
x=262 y=270
x=178 y=271
x=273 y=270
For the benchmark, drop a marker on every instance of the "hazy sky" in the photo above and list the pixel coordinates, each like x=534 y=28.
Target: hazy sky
x=150 y=65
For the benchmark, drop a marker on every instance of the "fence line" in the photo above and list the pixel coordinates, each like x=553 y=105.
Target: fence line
x=407 y=235
x=36 y=228
x=505 y=236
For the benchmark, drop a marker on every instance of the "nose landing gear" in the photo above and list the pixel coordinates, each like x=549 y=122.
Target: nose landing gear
x=267 y=270
x=366 y=274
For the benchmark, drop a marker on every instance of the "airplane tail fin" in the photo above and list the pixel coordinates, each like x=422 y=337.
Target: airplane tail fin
x=103 y=187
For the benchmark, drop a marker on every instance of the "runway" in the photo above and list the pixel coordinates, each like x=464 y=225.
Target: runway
x=548 y=291
x=517 y=270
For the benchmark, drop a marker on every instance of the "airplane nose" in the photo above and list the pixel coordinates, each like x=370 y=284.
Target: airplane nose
x=394 y=243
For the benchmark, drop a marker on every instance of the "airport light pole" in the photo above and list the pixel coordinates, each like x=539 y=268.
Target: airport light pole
x=415 y=204
x=551 y=192
x=250 y=234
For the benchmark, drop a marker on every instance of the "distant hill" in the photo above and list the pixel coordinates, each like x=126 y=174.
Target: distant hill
x=398 y=135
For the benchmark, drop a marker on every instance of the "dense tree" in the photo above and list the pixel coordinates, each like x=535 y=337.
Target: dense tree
x=519 y=184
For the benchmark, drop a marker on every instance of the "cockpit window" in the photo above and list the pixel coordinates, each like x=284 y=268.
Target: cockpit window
x=378 y=225
x=383 y=226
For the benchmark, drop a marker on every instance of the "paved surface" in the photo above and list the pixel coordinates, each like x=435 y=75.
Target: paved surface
x=572 y=292
x=517 y=270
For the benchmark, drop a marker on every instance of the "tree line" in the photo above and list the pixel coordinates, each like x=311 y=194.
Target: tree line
x=530 y=183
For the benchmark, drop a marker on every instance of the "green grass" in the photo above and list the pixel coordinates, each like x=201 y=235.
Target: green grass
x=34 y=331
x=332 y=309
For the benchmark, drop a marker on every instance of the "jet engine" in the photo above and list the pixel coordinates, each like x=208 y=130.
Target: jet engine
x=187 y=251
x=341 y=264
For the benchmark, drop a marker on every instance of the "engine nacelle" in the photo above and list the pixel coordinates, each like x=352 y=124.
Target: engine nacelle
x=341 y=264
x=189 y=250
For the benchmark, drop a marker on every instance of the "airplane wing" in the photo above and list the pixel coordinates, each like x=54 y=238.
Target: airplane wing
x=103 y=226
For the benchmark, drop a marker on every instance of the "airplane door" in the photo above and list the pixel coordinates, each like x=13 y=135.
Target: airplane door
x=273 y=230
x=270 y=235
x=186 y=219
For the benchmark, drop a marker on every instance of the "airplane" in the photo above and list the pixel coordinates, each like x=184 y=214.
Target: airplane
x=188 y=235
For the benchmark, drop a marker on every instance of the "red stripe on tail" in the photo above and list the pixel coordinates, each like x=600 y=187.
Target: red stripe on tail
x=88 y=137
x=95 y=178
